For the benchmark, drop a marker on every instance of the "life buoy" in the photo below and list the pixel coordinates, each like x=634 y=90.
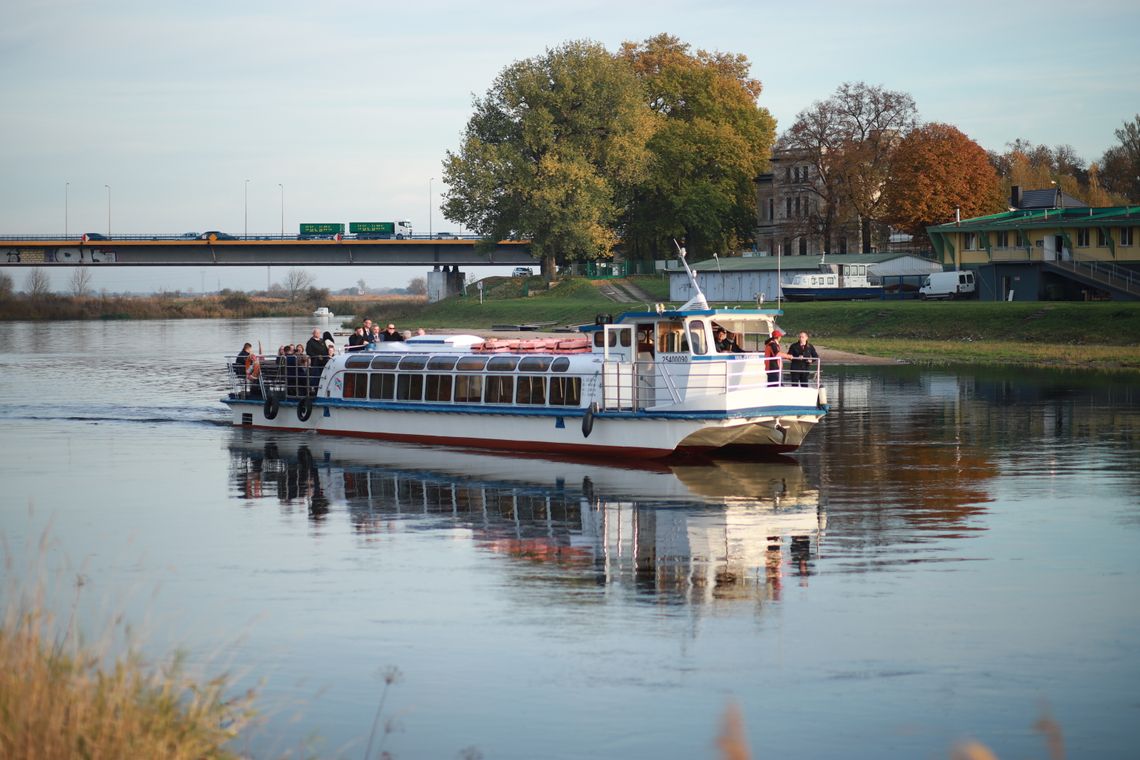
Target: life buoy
x=270 y=408
x=588 y=420
x=304 y=409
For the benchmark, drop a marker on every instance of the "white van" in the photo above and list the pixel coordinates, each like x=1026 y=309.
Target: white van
x=947 y=285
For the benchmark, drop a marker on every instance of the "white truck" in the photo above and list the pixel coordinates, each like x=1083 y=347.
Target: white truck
x=947 y=285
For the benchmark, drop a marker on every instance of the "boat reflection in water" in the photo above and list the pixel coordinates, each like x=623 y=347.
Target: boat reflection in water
x=692 y=532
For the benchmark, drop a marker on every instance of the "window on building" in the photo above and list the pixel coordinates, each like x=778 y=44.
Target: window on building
x=788 y=174
x=1101 y=237
x=803 y=246
x=787 y=249
x=789 y=204
x=843 y=245
x=969 y=241
x=797 y=205
x=1083 y=237
x=1126 y=236
x=771 y=209
x=1003 y=239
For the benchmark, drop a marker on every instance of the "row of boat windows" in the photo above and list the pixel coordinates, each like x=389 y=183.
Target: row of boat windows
x=461 y=363
x=530 y=390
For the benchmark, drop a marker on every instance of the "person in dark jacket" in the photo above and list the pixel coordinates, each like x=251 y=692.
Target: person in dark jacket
x=390 y=333
x=804 y=357
x=239 y=365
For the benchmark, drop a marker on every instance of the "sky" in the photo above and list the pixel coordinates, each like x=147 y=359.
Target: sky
x=151 y=115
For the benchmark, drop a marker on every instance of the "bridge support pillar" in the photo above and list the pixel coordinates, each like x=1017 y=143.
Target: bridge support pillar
x=444 y=281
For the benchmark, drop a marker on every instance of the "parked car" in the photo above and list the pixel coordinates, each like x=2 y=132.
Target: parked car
x=521 y=272
x=217 y=235
x=948 y=285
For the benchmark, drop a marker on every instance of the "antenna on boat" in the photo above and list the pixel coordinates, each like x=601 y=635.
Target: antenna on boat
x=698 y=300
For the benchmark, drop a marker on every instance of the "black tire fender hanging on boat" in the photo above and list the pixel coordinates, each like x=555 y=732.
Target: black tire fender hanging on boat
x=270 y=408
x=305 y=409
x=588 y=420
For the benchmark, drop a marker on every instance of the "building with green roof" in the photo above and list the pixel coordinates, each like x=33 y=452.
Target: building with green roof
x=1056 y=254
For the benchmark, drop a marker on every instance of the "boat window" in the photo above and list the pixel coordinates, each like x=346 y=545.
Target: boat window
x=534 y=363
x=813 y=281
x=357 y=361
x=441 y=362
x=697 y=336
x=469 y=388
x=385 y=362
x=561 y=364
x=531 y=390
x=565 y=391
x=831 y=280
x=502 y=363
x=471 y=362
x=382 y=386
x=624 y=337
x=409 y=387
x=500 y=389
x=669 y=337
x=438 y=388
x=355 y=385
x=413 y=361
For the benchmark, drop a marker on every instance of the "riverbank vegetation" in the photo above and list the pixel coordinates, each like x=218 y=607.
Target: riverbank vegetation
x=61 y=699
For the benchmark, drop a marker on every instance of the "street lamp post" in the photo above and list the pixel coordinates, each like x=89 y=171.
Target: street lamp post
x=66 y=192
x=108 y=209
x=281 y=187
x=246 y=233
x=430 y=180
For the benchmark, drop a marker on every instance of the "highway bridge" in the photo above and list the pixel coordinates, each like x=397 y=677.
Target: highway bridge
x=225 y=250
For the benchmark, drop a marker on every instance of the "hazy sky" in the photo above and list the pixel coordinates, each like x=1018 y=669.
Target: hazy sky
x=350 y=106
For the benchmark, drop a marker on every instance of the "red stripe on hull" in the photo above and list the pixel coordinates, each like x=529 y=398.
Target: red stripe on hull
x=525 y=446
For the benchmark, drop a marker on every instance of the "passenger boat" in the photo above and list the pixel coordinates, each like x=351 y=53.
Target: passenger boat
x=833 y=282
x=643 y=384
x=322 y=312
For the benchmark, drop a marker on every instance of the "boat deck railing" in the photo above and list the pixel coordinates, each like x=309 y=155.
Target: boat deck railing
x=645 y=384
x=620 y=386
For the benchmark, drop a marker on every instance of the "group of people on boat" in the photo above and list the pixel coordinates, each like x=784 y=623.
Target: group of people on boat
x=297 y=368
x=368 y=335
x=801 y=354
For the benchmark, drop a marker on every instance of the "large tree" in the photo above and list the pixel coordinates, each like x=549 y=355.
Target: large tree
x=711 y=141
x=1120 y=167
x=938 y=169
x=850 y=141
x=552 y=149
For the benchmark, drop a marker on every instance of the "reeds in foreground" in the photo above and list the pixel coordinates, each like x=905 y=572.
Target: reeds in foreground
x=61 y=700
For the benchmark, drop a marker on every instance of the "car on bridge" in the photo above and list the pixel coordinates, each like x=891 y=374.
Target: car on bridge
x=217 y=235
x=521 y=272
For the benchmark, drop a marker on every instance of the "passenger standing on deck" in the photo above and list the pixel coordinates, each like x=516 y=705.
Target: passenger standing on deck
x=374 y=337
x=357 y=340
x=239 y=365
x=774 y=355
x=318 y=354
x=390 y=333
x=803 y=357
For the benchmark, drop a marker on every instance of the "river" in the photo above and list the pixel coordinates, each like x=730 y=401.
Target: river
x=953 y=555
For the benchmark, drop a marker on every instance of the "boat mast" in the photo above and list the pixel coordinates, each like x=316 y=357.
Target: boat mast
x=698 y=300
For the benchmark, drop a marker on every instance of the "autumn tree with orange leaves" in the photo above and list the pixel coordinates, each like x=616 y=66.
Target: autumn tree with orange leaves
x=938 y=169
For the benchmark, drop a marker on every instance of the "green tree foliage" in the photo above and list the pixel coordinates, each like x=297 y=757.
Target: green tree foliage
x=710 y=143
x=939 y=169
x=850 y=140
x=552 y=149
x=1120 y=167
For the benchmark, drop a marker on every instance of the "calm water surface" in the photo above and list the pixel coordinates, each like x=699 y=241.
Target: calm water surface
x=953 y=555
